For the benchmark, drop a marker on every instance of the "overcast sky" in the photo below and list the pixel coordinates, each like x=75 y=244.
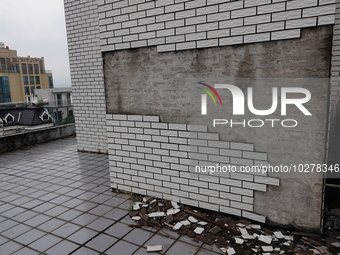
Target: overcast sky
x=36 y=28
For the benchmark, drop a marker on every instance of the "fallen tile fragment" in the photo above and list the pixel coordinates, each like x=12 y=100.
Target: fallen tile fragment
x=185 y=222
x=267 y=248
x=136 y=218
x=172 y=211
x=136 y=207
x=279 y=235
x=336 y=244
x=248 y=237
x=174 y=205
x=243 y=231
x=239 y=240
x=286 y=244
x=255 y=226
x=231 y=251
x=198 y=230
x=315 y=251
x=154 y=248
x=289 y=238
x=254 y=250
x=156 y=214
x=192 y=219
x=241 y=225
x=224 y=250
x=177 y=226
x=202 y=223
x=277 y=249
x=265 y=239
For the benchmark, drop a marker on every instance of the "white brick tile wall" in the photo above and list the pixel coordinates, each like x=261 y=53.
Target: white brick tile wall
x=164 y=166
x=187 y=17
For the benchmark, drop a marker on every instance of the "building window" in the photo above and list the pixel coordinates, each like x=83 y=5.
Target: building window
x=36 y=68
x=5 y=93
x=68 y=98
x=59 y=100
x=38 y=87
x=9 y=118
x=25 y=80
x=50 y=81
x=37 y=80
x=44 y=116
x=27 y=90
x=32 y=80
x=24 y=68
x=32 y=90
x=30 y=68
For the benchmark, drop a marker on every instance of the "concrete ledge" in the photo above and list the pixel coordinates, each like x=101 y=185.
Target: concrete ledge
x=15 y=141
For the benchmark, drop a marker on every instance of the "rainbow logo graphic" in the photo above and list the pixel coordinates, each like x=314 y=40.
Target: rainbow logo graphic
x=211 y=92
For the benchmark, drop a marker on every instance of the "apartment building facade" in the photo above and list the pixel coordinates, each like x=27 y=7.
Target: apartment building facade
x=21 y=76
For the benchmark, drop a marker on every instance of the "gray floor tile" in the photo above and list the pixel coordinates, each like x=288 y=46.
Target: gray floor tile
x=160 y=240
x=51 y=225
x=138 y=236
x=66 y=230
x=116 y=214
x=102 y=242
x=82 y=236
x=9 y=248
x=55 y=211
x=100 y=210
x=64 y=247
x=30 y=236
x=26 y=251
x=122 y=248
x=100 y=224
x=86 y=251
x=13 y=212
x=37 y=220
x=69 y=215
x=84 y=219
x=45 y=242
x=118 y=230
x=182 y=248
x=206 y=252
x=7 y=224
x=25 y=216
x=190 y=240
x=15 y=231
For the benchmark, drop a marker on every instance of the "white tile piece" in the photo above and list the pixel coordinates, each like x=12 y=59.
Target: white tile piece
x=174 y=205
x=265 y=239
x=172 y=211
x=289 y=238
x=231 y=251
x=266 y=253
x=315 y=251
x=256 y=235
x=185 y=222
x=286 y=244
x=239 y=240
x=154 y=248
x=157 y=214
x=277 y=249
x=192 y=219
x=177 y=226
x=255 y=226
x=136 y=218
x=136 y=207
x=336 y=244
x=240 y=225
x=248 y=237
x=267 y=248
x=224 y=250
x=199 y=230
x=243 y=231
x=254 y=250
x=202 y=223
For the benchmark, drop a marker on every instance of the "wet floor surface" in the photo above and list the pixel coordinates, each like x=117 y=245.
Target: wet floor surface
x=55 y=200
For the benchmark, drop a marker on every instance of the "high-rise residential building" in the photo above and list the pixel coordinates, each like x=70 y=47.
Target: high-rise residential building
x=21 y=76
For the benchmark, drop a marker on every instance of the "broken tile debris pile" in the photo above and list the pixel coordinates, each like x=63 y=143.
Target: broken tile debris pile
x=230 y=235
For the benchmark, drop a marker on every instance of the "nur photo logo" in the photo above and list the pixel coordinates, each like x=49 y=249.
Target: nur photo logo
x=288 y=96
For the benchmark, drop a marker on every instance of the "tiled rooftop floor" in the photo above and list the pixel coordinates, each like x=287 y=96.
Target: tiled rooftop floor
x=55 y=200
